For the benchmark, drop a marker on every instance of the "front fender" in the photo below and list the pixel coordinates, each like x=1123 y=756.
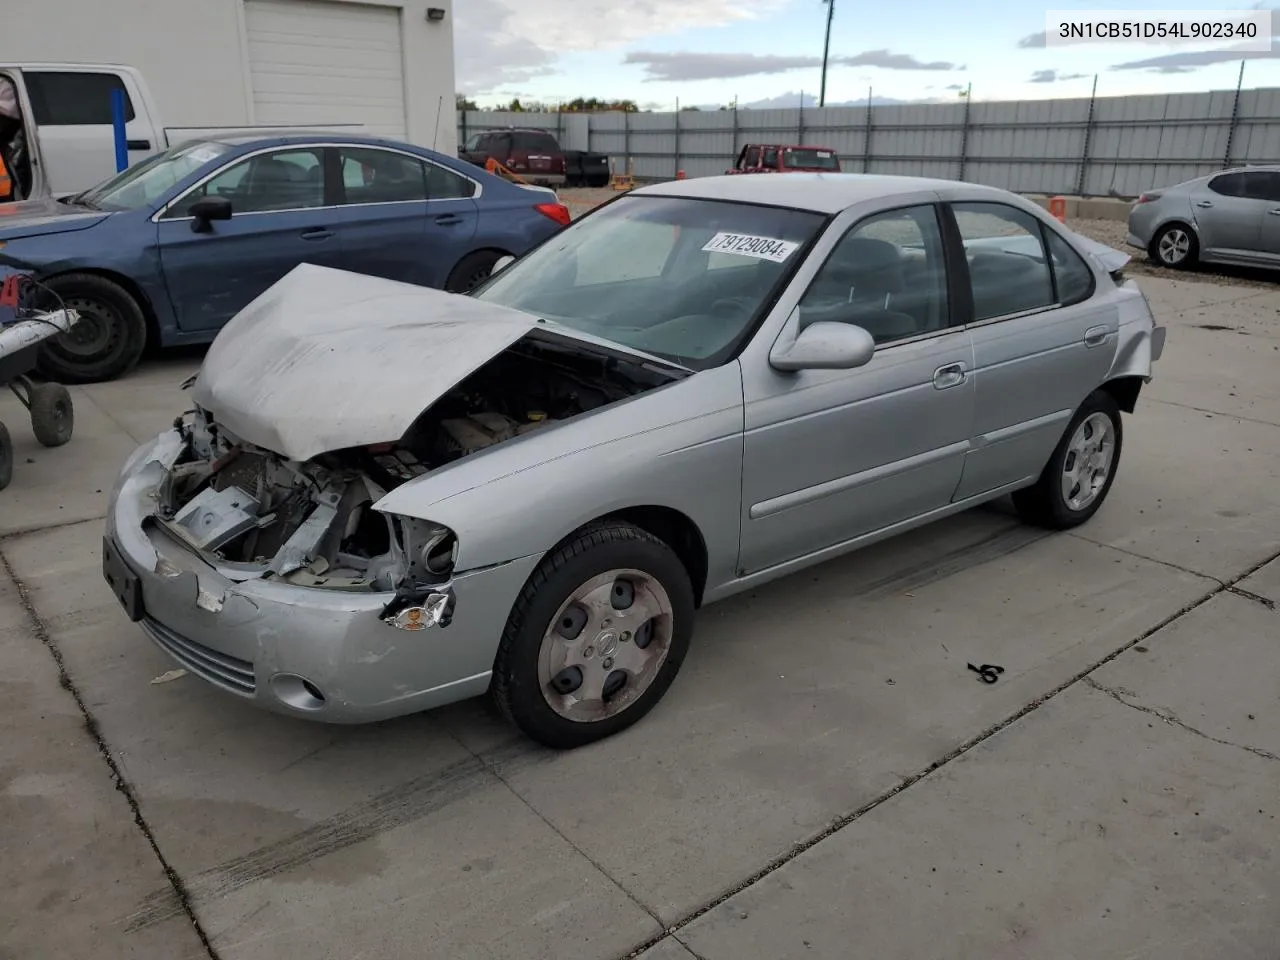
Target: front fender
x=678 y=447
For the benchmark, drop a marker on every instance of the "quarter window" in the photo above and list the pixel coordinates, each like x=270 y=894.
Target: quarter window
x=281 y=180
x=1228 y=185
x=381 y=176
x=1071 y=274
x=1008 y=270
x=73 y=99
x=886 y=275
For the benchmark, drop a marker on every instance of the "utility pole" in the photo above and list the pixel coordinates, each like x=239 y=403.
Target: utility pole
x=826 y=51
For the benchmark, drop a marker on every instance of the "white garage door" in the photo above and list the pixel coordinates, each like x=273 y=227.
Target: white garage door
x=326 y=62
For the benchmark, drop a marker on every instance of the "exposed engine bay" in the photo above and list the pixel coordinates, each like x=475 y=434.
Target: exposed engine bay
x=254 y=513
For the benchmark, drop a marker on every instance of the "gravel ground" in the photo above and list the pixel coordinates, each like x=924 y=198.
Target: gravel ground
x=1111 y=232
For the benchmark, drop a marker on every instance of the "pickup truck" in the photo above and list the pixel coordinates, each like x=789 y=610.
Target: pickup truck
x=785 y=158
x=64 y=142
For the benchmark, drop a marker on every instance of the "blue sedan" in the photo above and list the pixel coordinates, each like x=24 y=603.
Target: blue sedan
x=169 y=250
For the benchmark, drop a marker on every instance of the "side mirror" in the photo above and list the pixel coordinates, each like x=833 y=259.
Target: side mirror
x=207 y=209
x=502 y=264
x=824 y=346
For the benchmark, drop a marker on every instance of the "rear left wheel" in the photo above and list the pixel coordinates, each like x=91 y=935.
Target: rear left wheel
x=473 y=270
x=1081 y=470
x=1175 y=246
x=595 y=638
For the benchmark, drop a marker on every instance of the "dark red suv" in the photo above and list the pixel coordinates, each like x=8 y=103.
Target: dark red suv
x=533 y=154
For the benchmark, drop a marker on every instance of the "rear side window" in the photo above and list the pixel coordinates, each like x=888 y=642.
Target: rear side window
x=1228 y=185
x=444 y=184
x=370 y=175
x=535 y=143
x=70 y=99
x=1008 y=270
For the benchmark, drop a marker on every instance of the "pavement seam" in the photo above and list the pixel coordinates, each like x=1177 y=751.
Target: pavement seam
x=1142 y=556
x=57 y=525
x=497 y=774
x=838 y=824
x=1216 y=413
x=1171 y=718
x=91 y=726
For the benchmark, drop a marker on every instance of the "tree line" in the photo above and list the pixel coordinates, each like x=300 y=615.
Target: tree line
x=578 y=105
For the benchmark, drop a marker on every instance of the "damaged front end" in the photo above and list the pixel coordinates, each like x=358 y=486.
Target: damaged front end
x=252 y=513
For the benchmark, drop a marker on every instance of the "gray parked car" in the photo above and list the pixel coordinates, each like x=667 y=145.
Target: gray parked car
x=388 y=498
x=1229 y=217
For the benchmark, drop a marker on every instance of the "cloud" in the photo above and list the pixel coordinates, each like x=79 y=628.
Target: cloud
x=791 y=99
x=1053 y=76
x=955 y=86
x=1032 y=41
x=503 y=42
x=1194 y=60
x=685 y=67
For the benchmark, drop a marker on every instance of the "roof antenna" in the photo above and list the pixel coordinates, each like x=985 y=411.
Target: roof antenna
x=435 y=137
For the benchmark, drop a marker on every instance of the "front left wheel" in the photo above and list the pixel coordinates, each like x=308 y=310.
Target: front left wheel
x=595 y=638
x=108 y=340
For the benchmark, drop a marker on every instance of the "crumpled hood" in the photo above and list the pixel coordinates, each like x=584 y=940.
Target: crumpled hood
x=327 y=359
x=36 y=218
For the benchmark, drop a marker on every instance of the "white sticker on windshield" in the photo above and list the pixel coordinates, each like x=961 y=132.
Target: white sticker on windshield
x=745 y=245
x=204 y=154
x=824 y=154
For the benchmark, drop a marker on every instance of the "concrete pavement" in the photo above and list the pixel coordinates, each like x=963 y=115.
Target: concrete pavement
x=825 y=772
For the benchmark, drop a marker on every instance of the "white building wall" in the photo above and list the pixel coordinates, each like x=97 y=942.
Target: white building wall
x=193 y=55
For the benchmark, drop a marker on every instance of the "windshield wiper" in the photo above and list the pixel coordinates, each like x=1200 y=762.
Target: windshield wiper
x=79 y=201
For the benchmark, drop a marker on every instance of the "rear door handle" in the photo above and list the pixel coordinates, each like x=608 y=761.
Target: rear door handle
x=949 y=376
x=448 y=219
x=1275 y=212
x=319 y=233
x=1095 y=336
x=1205 y=203
x=138 y=144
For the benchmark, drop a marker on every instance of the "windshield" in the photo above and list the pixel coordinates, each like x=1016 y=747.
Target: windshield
x=682 y=279
x=811 y=159
x=144 y=183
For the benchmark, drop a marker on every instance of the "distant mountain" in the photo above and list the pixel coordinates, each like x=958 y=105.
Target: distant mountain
x=791 y=100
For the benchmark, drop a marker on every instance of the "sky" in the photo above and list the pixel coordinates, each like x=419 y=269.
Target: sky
x=769 y=52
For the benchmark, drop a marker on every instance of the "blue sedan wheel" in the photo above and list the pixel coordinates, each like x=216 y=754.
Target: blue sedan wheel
x=106 y=343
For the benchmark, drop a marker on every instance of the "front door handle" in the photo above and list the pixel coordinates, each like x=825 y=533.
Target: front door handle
x=319 y=233
x=1095 y=336
x=949 y=376
x=1204 y=203
x=137 y=144
x=448 y=219
x=1275 y=212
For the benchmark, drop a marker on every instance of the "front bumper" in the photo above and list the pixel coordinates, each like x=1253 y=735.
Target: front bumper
x=319 y=654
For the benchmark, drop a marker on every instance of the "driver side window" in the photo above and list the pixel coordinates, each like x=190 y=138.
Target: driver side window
x=276 y=181
x=886 y=275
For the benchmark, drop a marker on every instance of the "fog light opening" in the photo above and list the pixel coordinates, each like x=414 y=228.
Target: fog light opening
x=297 y=692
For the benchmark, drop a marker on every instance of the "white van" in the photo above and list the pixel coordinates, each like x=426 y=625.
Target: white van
x=67 y=122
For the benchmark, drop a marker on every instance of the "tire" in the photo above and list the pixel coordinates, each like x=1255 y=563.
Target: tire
x=472 y=270
x=1174 y=246
x=615 y=557
x=6 y=457
x=106 y=343
x=53 y=417
x=1047 y=504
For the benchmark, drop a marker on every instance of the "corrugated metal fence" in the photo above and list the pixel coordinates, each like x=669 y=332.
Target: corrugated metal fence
x=1099 y=146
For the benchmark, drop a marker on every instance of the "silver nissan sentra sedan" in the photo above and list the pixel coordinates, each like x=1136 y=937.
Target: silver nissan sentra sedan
x=387 y=498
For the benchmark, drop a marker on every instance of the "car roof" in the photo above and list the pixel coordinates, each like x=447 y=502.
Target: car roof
x=818 y=192
x=319 y=136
